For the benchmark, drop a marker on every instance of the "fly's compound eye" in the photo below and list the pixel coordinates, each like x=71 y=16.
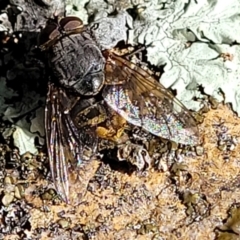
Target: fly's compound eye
x=57 y=28
x=71 y=24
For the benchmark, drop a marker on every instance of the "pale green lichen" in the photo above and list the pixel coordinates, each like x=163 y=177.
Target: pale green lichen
x=187 y=38
x=212 y=25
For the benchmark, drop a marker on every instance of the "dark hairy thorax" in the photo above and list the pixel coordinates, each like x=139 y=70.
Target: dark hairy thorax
x=77 y=63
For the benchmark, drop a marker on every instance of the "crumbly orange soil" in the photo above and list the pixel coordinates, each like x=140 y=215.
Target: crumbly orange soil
x=151 y=206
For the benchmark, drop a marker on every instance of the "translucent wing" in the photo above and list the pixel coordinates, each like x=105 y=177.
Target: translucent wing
x=65 y=146
x=144 y=102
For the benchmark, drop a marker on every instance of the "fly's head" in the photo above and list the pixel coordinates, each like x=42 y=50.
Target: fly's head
x=57 y=28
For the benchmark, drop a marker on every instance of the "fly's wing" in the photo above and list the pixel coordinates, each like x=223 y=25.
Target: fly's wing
x=65 y=147
x=144 y=102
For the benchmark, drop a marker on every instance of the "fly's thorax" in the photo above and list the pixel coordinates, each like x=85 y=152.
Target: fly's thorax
x=77 y=63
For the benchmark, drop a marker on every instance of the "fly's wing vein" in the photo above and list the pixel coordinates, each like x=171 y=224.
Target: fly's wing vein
x=144 y=102
x=64 y=146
